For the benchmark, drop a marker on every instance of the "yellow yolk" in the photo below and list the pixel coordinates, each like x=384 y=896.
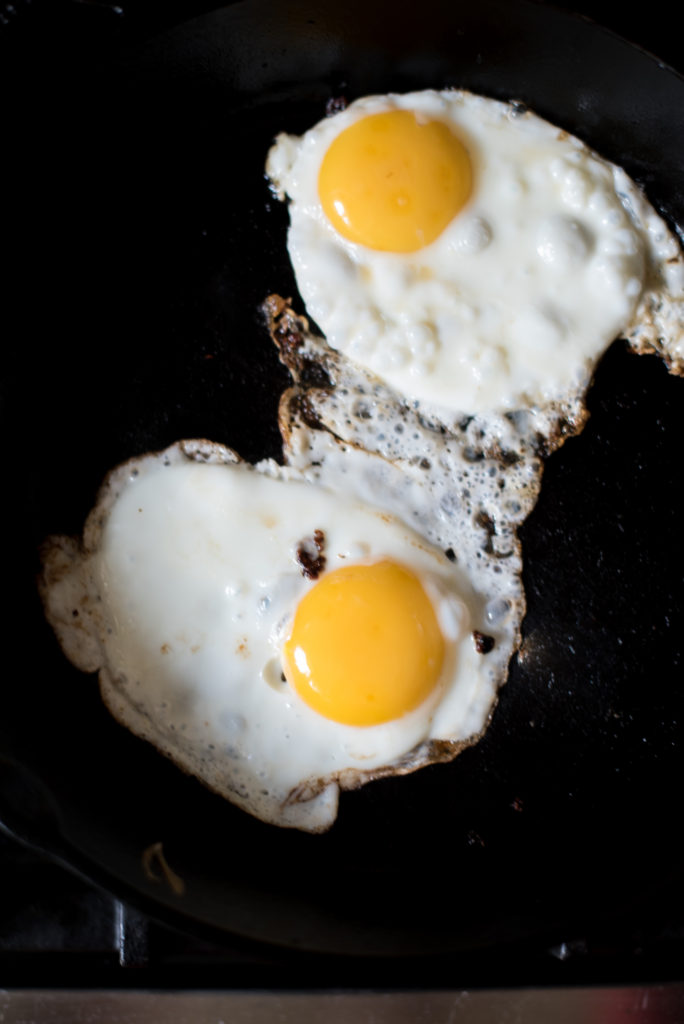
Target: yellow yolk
x=392 y=182
x=366 y=646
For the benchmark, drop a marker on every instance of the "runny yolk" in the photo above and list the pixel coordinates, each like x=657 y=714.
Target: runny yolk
x=393 y=182
x=365 y=646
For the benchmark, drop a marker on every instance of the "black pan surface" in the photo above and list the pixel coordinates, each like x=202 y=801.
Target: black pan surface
x=146 y=240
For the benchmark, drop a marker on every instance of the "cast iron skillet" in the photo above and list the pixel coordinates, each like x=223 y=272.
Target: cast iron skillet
x=151 y=240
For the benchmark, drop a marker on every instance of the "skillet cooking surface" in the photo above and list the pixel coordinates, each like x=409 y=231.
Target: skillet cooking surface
x=149 y=164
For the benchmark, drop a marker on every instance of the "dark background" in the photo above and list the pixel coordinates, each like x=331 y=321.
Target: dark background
x=84 y=318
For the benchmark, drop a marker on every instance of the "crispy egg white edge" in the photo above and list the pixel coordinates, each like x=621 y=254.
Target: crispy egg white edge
x=465 y=490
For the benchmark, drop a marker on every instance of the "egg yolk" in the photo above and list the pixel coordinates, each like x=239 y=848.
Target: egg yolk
x=393 y=182
x=366 y=646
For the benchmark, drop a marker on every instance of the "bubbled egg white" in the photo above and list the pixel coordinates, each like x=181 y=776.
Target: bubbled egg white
x=553 y=255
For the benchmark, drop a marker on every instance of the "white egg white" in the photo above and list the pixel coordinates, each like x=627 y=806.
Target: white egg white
x=556 y=253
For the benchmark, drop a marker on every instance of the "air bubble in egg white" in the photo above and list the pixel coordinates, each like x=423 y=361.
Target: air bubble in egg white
x=472 y=235
x=449 y=504
x=493 y=360
x=421 y=366
x=396 y=355
x=611 y=273
x=622 y=243
x=472 y=454
x=674 y=275
x=631 y=242
x=363 y=341
x=563 y=242
x=421 y=338
x=575 y=186
x=557 y=168
x=518 y=109
x=612 y=219
x=497 y=610
x=272 y=675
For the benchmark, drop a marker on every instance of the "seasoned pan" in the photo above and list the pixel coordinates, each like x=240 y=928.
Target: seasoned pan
x=148 y=240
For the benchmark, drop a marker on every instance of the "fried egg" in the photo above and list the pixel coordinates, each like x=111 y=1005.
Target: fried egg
x=475 y=257
x=287 y=632
x=281 y=632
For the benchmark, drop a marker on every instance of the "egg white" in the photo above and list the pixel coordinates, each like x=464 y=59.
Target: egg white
x=183 y=590
x=555 y=254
